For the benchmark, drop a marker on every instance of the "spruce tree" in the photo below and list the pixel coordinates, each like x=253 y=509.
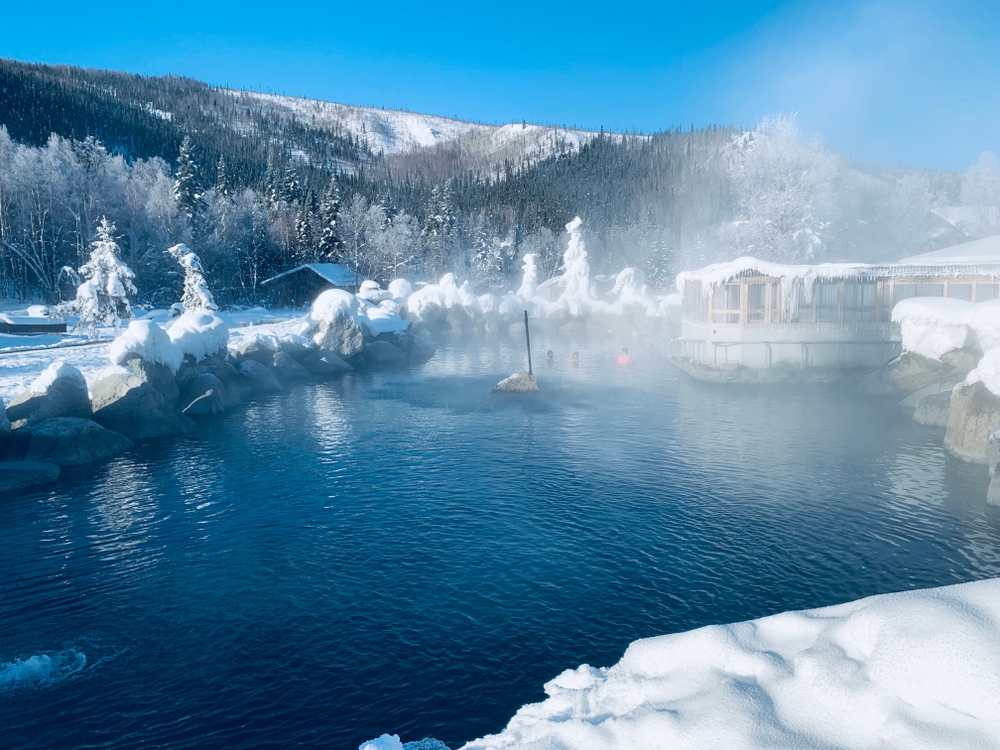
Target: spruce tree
x=222 y=178
x=103 y=298
x=331 y=244
x=196 y=293
x=186 y=189
x=305 y=244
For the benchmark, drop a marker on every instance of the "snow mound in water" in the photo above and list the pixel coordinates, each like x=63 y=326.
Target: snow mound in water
x=914 y=670
x=147 y=340
x=199 y=334
x=385 y=742
x=41 y=670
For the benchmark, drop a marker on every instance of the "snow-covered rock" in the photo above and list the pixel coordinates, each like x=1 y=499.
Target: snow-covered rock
x=199 y=334
x=932 y=410
x=400 y=289
x=519 y=382
x=148 y=341
x=932 y=326
x=917 y=670
x=19 y=475
x=157 y=375
x=67 y=441
x=60 y=391
x=128 y=405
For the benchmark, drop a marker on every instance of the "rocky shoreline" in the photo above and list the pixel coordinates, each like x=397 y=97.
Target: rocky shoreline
x=57 y=423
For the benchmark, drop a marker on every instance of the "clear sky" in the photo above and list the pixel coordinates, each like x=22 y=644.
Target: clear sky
x=904 y=82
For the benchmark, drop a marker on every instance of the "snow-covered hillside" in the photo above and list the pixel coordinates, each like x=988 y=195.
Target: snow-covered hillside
x=394 y=132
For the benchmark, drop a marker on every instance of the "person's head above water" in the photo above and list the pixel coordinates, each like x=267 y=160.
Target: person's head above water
x=549 y=354
x=624 y=350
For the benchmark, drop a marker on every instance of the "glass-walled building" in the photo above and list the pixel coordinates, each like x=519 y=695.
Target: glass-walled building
x=763 y=315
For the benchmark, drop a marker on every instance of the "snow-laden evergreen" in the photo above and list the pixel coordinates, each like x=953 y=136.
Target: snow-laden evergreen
x=197 y=295
x=102 y=300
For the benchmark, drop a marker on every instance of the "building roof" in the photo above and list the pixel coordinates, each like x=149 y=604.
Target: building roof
x=917 y=266
x=336 y=273
x=986 y=250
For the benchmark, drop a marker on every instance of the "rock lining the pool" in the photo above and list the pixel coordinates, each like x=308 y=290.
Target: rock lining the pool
x=519 y=382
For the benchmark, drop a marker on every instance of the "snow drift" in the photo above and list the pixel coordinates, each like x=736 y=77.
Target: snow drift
x=918 y=669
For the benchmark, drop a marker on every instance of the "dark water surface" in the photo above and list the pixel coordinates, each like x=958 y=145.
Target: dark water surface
x=405 y=552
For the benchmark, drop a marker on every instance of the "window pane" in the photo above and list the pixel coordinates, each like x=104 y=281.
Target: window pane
x=931 y=290
x=986 y=292
x=960 y=291
x=757 y=296
x=733 y=297
x=904 y=291
x=719 y=298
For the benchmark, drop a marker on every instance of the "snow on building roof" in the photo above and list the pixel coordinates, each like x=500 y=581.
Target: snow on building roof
x=919 y=265
x=336 y=273
x=986 y=250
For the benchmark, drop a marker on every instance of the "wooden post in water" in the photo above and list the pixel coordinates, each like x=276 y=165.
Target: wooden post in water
x=527 y=337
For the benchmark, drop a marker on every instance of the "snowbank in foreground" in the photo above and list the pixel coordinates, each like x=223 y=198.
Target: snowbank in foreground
x=918 y=669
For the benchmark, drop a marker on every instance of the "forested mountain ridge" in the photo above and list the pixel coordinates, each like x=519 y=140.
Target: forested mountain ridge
x=257 y=183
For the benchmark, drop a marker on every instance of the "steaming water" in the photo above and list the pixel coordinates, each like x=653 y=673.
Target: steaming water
x=405 y=552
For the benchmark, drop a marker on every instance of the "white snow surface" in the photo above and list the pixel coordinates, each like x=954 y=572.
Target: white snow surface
x=385 y=742
x=374 y=319
x=199 y=334
x=932 y=326
x=148 y=340
x=987 y=371
x=914 y=670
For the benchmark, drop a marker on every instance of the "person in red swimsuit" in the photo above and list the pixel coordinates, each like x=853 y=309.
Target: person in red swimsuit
x=624 y=358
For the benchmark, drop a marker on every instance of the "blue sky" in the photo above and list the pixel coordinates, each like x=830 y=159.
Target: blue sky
x=914 y=83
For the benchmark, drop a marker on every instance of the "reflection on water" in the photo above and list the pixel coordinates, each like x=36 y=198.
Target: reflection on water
x=406 y=551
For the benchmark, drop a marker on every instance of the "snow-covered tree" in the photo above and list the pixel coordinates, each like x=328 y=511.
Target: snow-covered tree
x=780 y=184
x=331 y=245
x=305 y=243
x=196 y=292
x=187 y=192
x=103 y=298
x=221 y=178
x=981 y=192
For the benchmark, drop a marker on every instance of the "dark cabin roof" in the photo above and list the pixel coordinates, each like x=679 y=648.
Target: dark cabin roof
x=336 y=273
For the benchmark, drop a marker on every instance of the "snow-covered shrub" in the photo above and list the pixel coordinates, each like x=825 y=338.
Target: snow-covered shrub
x=199 y=334
x=145 y=339
x=103 y=298
x=196 y=292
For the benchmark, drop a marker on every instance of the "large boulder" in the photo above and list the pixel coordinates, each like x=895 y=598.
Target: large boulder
x=383 y=353
x=911 y=372
x=259 y=377
x=417 y=348
x=127 y=404
x=287 y=369
x=519 y=382
x=973 y=415
x=325 y=362
x=17 y=475
x=187 y=374
x=341 y=335
x=159 y=376
x=235 y=383
x=68 y=441
x=932 y=410
x=60 y=391
x=208 y=395
x=297 y=346
x=258 y=347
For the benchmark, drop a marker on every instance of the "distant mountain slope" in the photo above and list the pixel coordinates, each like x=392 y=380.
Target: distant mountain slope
x=395 y=133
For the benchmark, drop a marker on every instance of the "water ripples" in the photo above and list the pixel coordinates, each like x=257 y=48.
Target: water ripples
x=407 y=552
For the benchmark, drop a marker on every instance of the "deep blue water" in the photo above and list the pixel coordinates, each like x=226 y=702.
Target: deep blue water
x=405 y=552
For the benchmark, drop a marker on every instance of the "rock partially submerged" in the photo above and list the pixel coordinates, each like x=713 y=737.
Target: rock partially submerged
x=932 y=410
x=134 y=408
x=383 y=353
x=520 y=382
x=325 y=362
x=208 y=395
x=973 y=415
x=18 y=475
x=159 y=376
x=67 y=441
x=259 y=377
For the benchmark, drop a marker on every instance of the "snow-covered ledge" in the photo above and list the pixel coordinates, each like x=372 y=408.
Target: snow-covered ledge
x=918 y=669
